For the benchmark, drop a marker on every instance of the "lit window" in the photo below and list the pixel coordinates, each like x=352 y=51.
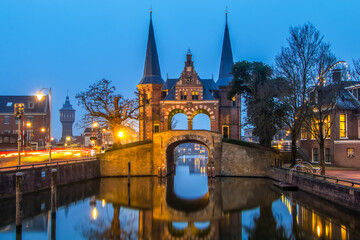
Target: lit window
x=343 y=125
x=303 y=133
x=327 y=127
x=314 y=129
x=183 y=95
x=9 y=104
x=234 y=101
x=351 y=152
x=315 y=155
x=195 y=95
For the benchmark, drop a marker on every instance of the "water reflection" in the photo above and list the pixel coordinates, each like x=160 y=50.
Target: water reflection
x=237 y=208
x=190 y=180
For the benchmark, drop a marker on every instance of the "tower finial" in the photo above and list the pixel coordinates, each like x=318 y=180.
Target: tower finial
x=150 y=11
x=226 y=12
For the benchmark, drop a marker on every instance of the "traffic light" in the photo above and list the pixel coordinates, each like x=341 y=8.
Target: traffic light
x=18 y=110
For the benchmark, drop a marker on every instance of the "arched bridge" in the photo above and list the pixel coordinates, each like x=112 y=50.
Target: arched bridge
x=164 y=144
x=228 y=159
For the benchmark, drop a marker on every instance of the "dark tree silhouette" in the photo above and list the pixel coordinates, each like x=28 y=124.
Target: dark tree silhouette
x=256 y=83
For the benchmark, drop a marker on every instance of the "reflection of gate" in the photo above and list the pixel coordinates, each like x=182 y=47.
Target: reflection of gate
x=183 y=204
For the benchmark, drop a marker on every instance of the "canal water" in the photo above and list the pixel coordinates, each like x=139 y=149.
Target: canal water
x=186 y=205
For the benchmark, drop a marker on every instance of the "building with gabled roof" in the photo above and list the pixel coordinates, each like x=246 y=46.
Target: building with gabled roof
x=34 y=124
x=342 y=147
x=188 y=94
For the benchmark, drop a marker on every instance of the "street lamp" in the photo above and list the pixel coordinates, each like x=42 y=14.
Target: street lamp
x=39 y=96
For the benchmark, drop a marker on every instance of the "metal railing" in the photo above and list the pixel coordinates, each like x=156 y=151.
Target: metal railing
x=47 y=164
x=327 y=178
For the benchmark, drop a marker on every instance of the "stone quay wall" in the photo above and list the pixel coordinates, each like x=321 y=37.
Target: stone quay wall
x=340 y=194
x=245 y=161
x=39 y=178
x=115 y=163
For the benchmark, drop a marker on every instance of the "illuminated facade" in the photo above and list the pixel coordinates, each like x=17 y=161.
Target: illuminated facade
x=188 y=94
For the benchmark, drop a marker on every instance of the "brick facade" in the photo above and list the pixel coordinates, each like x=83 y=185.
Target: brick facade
x=339 y=151
x=34 y=124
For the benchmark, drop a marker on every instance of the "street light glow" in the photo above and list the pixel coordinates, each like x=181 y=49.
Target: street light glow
x=42 y=129
x=68 y=138
x=120 y=134
x=95 y=124
x=39 y=96
x=28 y=124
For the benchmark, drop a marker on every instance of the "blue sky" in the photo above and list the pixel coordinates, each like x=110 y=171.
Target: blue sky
x=68 y=45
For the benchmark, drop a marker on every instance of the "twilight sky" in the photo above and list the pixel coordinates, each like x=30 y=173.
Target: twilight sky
x=69 y=44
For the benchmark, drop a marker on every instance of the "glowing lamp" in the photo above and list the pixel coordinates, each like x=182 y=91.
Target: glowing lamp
x=120 y=134
x=42 y=129
x=39 y=96
x=68 y=138
x=28 y=124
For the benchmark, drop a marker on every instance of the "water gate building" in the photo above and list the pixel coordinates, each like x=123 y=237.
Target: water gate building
x=188 y=94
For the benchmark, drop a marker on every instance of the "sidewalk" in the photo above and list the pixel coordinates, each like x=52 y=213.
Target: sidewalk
x=346 y=173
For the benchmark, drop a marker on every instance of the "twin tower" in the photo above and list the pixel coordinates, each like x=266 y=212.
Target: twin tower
x=188 y=94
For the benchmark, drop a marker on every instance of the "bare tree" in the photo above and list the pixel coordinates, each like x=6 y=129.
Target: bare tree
x=297 y=64
x=107 y=108
x=322 y=102
x=356 y=70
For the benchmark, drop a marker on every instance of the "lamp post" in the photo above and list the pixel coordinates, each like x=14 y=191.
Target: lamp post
x=39 y=97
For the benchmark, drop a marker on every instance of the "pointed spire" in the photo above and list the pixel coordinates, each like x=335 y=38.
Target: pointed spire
x=227 y=60
x=152 y=74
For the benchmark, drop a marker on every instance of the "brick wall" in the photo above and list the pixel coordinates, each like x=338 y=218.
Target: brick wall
x=239 y=160
x=39 y=178
x=115 y=163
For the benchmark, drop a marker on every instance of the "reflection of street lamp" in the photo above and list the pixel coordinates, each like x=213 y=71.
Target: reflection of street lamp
x=39 y=97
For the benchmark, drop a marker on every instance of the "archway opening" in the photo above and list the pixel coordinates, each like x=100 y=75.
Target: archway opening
x=177 y=120
x=201 y=121
x=190 y=179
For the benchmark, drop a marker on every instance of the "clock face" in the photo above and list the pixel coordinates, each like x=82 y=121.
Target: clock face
x=188 y=79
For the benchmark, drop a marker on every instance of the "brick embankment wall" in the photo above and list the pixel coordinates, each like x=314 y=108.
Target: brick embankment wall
x=115 y=163
x=39 y=178
x=340 y=194
x=237 y=160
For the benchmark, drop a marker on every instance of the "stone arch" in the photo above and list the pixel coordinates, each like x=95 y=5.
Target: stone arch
x=204 y=111
x=173 y=142
x=172 y=113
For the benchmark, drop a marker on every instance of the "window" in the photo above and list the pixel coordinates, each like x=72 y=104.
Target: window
x=16 y=121
x=225 y=131
x=12 y=139
x=358 y=94
x=183 y=95
x=6 y=139
x=315 y=155
x=163 y=94
x=343 y=126
x=234 y=101
x=9 y=104
x=314 y=129
x=327 y=126
x=1 y=139
x=30 y=105
x=351 y=152
x=303 y=133
x=195 y=95
x=156 y=128
x=327 y=155
x=6 y=119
